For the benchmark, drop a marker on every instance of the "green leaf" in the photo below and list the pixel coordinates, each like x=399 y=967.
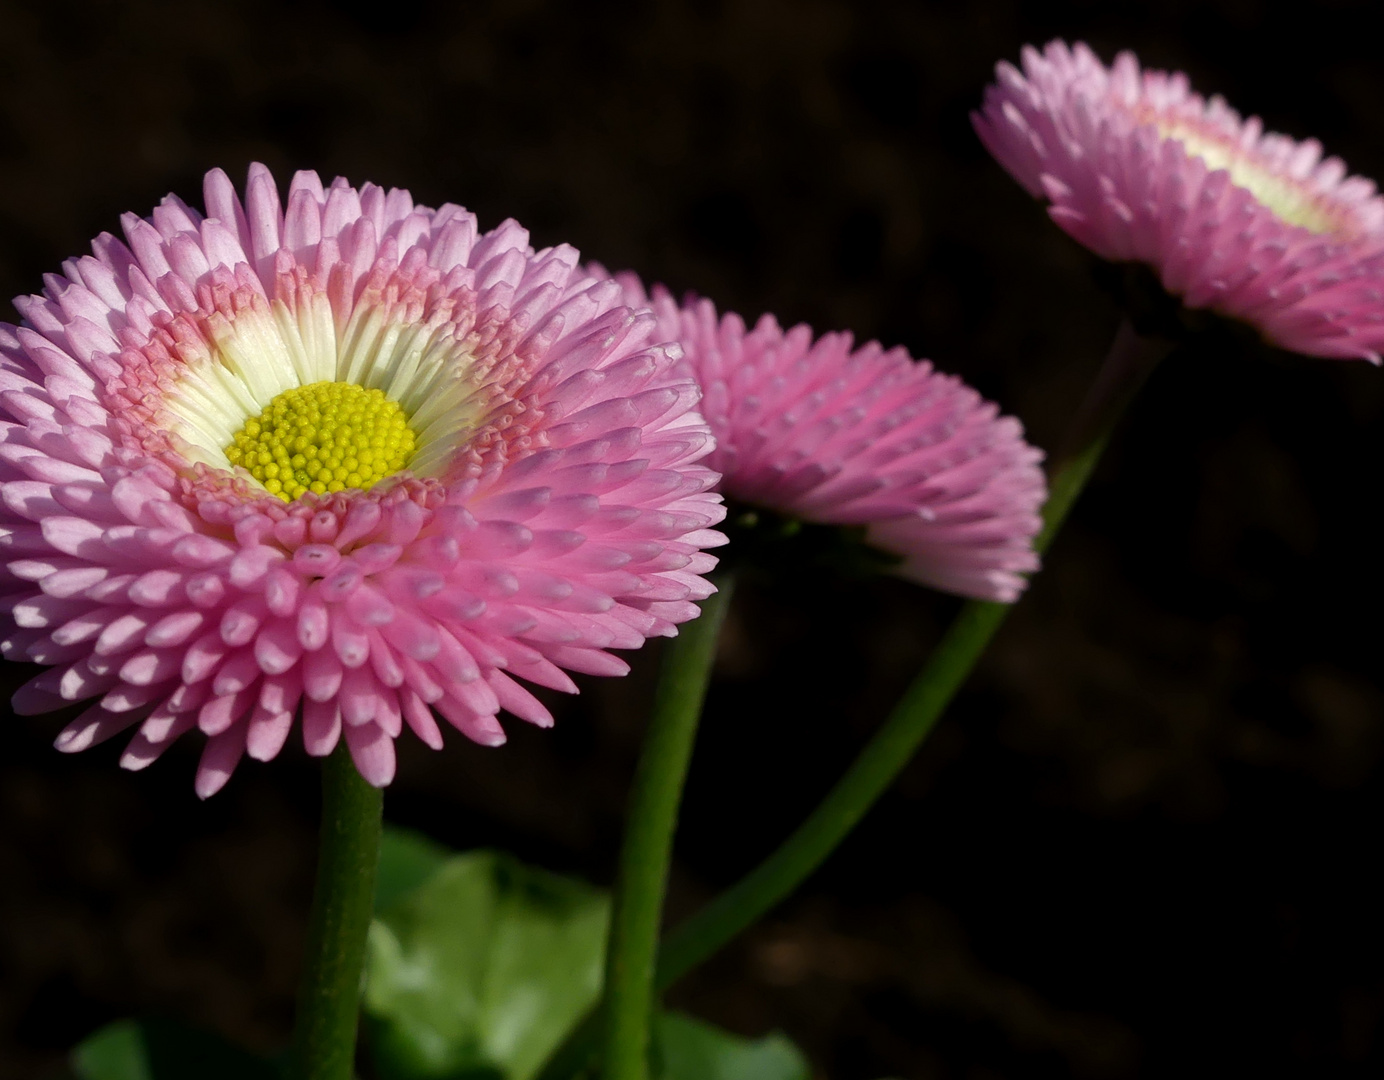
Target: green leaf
x=689 y=1049
x=158 y=1049
x=482 y=969
x=407 y=859
x=115 y=1052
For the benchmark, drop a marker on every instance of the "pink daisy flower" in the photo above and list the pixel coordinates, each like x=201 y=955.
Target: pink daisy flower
x=1139 y=168
x=826 y=433
x=353 y=460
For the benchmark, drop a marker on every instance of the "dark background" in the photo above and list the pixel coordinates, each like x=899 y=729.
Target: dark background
x=1141 y=842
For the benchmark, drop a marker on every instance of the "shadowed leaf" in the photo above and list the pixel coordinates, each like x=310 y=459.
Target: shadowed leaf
x=480 y=970
x=690 y=1049
x=159 y=1049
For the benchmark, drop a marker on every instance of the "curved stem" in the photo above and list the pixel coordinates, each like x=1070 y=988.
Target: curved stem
x=1130 y=360
x=324 y=1036
x=870 y=774
x=648 y=843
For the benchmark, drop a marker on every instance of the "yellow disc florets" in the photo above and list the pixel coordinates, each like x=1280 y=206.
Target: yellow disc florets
x=324 y=437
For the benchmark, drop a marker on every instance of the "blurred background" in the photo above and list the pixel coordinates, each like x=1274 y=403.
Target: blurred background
x=1138 y=845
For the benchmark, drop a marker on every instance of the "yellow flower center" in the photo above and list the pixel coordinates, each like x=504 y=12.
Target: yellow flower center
x=324 y=437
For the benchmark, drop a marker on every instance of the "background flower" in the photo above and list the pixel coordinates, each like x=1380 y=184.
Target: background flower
x=1250 y=224
x=829 y=433
x=196 y=415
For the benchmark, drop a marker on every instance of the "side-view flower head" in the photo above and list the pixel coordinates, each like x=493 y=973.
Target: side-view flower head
x=1253 y=225
x=352 y=460
x=863 y=436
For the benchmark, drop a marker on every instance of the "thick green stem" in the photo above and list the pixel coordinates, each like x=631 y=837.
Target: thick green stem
x=324 y=1037
x=648 y=843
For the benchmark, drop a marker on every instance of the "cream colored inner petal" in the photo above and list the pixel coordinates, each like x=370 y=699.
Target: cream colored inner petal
x=256 y=357
x=1289 y=200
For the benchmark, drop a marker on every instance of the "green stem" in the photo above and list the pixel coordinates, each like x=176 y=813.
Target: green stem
x=648 y=843
x=1130 y=360
x=324 y=1037
x=869 y=775
x=1127 y=365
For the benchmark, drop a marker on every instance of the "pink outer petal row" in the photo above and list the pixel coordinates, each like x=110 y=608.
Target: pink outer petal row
x=1084 y=138
x=171 y=603
x=831 y=434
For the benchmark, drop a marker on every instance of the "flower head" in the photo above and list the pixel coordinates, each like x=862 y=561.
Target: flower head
x=833 y=434
x=353 y=460
x=1139 y=168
